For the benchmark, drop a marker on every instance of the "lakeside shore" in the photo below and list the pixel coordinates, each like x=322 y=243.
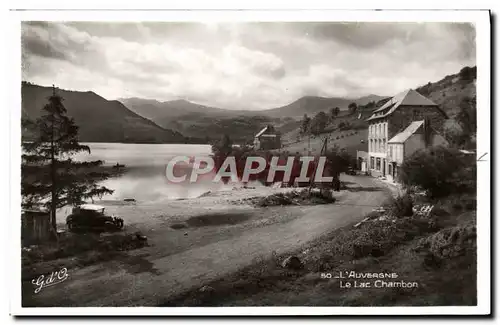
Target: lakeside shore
x=180 y=259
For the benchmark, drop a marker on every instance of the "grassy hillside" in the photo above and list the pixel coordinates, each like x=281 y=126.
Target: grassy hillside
x=350 y=139
x=99 y=120
x=311 y=105
x=241 y=129
x=449 y=92
x=347 y=131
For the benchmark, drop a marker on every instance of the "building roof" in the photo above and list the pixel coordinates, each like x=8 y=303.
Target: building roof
x=408 y=97
x=403 y=136
x=261 y=132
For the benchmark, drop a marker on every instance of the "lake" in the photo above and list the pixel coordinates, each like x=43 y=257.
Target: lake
x=144 y=178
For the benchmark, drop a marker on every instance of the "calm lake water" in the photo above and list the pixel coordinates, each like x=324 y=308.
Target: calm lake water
x=144 y=178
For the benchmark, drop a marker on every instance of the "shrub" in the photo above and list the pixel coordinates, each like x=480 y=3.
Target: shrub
x=378 y=238
x=468 y=73
x=402 y=206
x=302 y=197
x=450 y=242
x=439 y=171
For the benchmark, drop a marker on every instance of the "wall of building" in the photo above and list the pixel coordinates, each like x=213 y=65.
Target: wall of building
x=414 y=143
x=380 y=131
x=377 y=146
x=404 y=115
x=396 y=153
x=417 y=142
x=268 y=142
x=438 y=140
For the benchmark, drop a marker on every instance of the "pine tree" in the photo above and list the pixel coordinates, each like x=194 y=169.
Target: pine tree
x=49 y=175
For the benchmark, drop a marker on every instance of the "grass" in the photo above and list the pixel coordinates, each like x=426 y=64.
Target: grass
x=437 y=252
x=344 y=139
x=76 y=250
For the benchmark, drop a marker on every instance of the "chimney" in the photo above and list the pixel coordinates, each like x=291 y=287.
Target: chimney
x=427 y=131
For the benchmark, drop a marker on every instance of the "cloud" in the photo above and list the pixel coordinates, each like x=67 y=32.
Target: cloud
x=243 y=65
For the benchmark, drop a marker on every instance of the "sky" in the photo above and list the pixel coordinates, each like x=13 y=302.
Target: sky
x=243 y=65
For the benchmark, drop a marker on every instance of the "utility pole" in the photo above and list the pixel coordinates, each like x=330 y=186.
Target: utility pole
x=309 y=144
x=322 y=152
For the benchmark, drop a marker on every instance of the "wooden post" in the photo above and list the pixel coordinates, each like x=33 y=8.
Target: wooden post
x=323 y=151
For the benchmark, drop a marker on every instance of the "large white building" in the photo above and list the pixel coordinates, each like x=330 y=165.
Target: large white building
x=394 y=117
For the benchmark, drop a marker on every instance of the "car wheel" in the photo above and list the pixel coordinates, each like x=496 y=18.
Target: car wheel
x=109 y=226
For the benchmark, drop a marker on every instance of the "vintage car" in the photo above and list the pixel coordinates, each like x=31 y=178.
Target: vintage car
x=91 y=217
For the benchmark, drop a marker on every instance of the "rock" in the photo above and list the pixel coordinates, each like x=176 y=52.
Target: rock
x=206 y=289
x=292 y=262
x=185 y=234
x=205 y=194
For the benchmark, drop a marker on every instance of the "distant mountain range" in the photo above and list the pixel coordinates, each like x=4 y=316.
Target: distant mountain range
x=151 y=121
x=99 y=120
x=164 y=112
x=206 y=122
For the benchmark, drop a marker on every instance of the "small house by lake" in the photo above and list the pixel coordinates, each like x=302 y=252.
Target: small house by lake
x=267 y=139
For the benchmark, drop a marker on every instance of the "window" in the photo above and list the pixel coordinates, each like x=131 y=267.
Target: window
x=390 y=169
x=372 y=163
x=378 y=164
x=390 y=152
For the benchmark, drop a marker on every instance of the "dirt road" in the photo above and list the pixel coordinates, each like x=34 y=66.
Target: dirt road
x=147 y=278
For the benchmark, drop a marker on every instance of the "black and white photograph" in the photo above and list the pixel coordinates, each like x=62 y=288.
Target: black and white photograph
x=294 y=160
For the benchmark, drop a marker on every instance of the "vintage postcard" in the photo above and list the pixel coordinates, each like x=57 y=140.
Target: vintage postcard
x=308 y=161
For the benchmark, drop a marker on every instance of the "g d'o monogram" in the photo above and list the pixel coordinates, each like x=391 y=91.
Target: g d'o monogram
x=52 y=279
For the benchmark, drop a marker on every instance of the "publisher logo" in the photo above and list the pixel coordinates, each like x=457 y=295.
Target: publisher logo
x=46 y=281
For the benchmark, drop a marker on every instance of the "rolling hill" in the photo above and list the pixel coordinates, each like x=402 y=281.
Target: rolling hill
x=311 y=105
x=450 y=91
x=99 y=120
x=205 y=122
x=165 y=112
x=365 y=100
